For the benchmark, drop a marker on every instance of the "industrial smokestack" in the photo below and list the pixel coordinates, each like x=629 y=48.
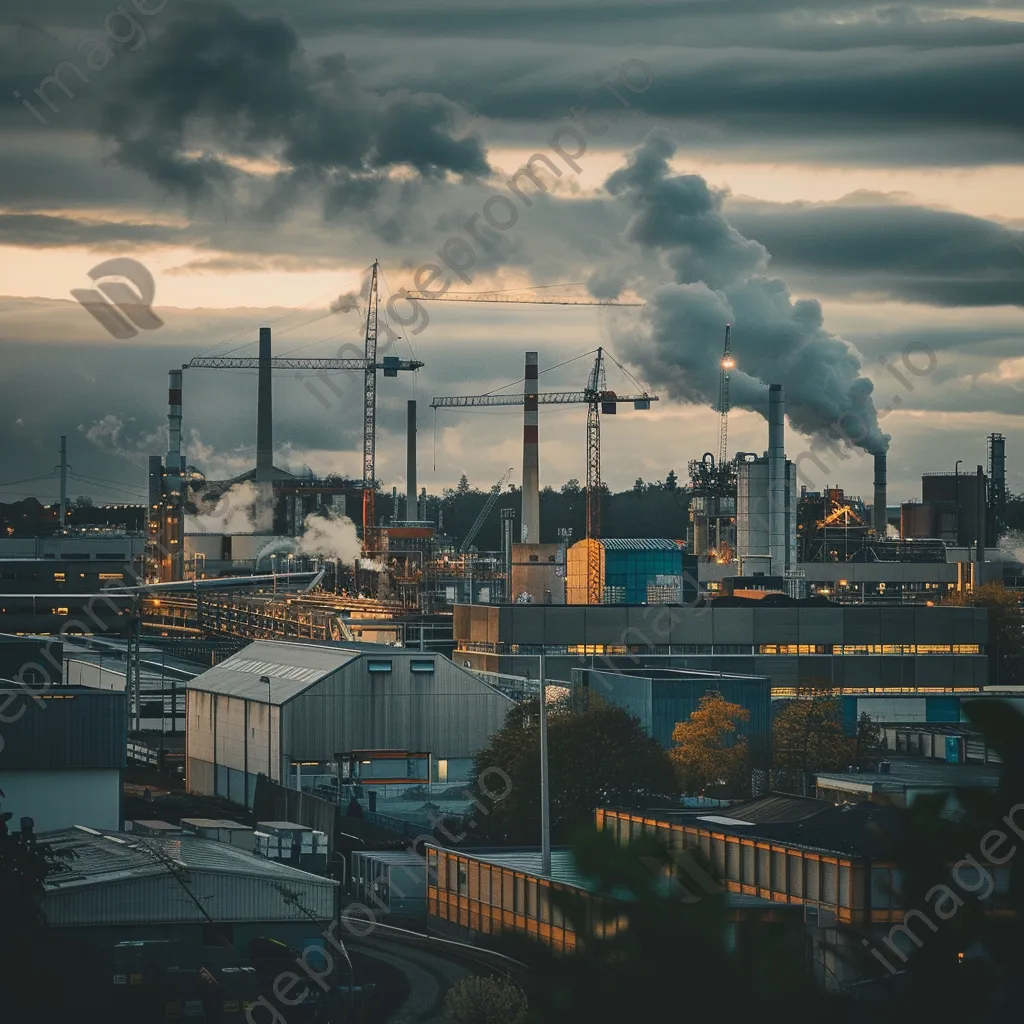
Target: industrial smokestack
x=264 y=414
x=982 y=514
x=410 y=463
x=531 y=456
x=878 y=517
x=777 y=477
x=175 y=460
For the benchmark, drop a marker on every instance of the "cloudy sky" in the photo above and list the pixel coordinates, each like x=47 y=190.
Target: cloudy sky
x=840 y=181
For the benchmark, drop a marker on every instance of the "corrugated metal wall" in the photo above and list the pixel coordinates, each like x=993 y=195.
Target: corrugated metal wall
x=162 y=899
x=54 y=729
x=448 y=712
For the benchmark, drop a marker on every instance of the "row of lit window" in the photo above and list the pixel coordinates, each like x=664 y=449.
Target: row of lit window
x=720 y=649
x=795 y=691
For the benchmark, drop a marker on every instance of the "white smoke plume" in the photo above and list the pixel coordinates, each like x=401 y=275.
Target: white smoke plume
x=722 y=277
x=1011 y=546
x=371 y=566
x=243 y=508
x=345 y=303
x=332 y=536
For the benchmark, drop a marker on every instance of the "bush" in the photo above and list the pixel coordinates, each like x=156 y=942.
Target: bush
x=484 y=1001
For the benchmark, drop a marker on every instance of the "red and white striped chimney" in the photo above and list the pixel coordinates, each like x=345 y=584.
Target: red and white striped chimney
x=530 y=533
x=175 y=462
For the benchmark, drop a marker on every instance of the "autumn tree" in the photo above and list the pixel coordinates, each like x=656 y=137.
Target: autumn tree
x=1005 y=629
x=807 y=737
x=598 y=755
x=707 y=749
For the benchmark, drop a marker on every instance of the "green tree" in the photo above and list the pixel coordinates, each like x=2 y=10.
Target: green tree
x=707 y=750
x=598 y=755
x=869 y=735
x=807 y=737
x=571 y=488
x=1005 y=630
x=639 y=487
x=481 y=1000
x=671 y=481
x=463 y=487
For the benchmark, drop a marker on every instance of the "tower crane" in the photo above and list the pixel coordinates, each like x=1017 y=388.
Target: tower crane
x=492 y=500
x=369 y=364
x=723 y=401
x=598 y=399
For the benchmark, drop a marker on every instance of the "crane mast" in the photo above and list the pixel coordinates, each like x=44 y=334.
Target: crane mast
x=370 y=532
x=492 y=500
x=598 y=399
x=723 y=401
x=595 y=388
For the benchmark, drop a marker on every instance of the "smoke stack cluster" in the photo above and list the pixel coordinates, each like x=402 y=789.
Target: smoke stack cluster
x=411 y=513
x=264 y=414
x=777 y=477
x=878 y=516
x=531 y=455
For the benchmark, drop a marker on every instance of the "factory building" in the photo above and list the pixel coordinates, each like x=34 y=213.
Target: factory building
x=662 y=697
x=197 y=893
x=296 y=710
x=831 y=864
x=766 y=500
x=953 y=508
x=62 y=752
x=851 y=647
x=629 y=571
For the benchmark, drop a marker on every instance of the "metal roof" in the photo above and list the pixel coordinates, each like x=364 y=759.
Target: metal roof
x=639 y=544
x=917 y=772
x=291 y=668
x=99 y=857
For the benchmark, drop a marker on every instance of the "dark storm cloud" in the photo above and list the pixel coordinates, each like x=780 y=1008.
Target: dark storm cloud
x=862 y=92
x=868 y=243
x=42 y=230
x=236 y=86
x=721 y=277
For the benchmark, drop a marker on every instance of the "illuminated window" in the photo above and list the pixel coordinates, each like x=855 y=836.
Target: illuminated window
x=111 y=576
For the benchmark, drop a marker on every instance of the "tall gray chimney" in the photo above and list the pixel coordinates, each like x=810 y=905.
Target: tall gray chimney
x=982 y=514
x=410 y=463
x=531 y=455
x=264 y=414
x=777 y=546
x=879 y=519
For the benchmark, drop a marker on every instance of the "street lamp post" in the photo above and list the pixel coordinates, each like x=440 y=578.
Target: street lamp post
x=956 y=472
x=266 y=679
x=545 y=803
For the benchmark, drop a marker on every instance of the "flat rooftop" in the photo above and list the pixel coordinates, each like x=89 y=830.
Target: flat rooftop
x=914 y=773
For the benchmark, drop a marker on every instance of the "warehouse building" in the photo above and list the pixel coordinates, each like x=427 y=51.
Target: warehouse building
x=299 y=711
x=62 y=753
x=474 y=897
x=120 y=887
x=853 y=648
x=661 y=697
x=833 y=864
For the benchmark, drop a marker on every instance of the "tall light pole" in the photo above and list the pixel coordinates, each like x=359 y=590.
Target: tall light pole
x=545 y=803
x=266 y=679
